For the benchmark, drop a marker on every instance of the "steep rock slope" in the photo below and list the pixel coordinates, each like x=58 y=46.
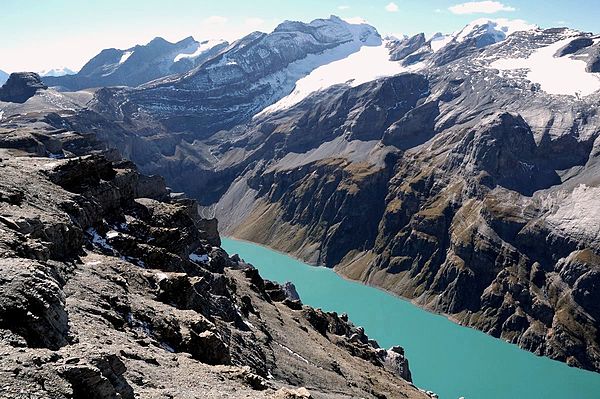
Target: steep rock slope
x=20 y=87
x=113 y=286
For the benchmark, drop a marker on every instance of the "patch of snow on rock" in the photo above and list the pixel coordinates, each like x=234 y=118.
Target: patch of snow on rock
x=202 y=47
x=367 y=64
x=556 y=75
x=125 y=56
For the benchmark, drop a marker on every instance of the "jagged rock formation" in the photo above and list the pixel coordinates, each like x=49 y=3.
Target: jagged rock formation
x=113 y=286
x=20 y=87
x=139 y=64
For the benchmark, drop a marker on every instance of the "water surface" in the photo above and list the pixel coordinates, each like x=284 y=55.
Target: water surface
x=449 y=359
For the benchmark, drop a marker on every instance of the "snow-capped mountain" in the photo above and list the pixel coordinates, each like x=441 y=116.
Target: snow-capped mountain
x=443 y=48
x=139 y=64
x=55 y=72
x=255 y=72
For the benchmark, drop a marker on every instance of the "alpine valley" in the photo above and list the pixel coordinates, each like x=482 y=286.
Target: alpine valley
x=460 y=171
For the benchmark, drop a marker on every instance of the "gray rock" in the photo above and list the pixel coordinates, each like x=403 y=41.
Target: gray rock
x=20 y=87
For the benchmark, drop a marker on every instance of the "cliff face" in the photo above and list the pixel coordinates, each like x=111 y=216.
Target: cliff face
x=113 y=287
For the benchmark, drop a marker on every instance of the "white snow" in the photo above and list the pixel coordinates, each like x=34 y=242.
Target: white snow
x=199 y=258
x=501 y=28
x=112 y=234
x=125 y=56
x=161 y=276
x=202 y=47
x=578 y=214
x=60 y=71
x=439 y=41
x=367 y=64
x=556 y=75
x=1 y=115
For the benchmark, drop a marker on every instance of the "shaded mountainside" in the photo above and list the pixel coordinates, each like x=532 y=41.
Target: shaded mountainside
x=113 y=286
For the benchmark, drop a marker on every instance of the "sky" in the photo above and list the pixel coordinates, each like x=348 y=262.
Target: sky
x=38 y=35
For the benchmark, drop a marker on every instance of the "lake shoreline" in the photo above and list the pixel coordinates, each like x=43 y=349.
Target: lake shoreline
x=446 y=357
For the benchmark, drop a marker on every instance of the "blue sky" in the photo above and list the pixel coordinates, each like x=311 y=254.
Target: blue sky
x=41 y=34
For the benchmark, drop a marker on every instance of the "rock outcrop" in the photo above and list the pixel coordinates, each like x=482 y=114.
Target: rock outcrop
x=20 y=87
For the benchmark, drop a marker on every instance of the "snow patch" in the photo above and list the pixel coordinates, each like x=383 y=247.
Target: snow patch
x=125 y=56
x=439 y=41
x=556 y=75
x=202 y=47
x=365 y=65
x=161 y=277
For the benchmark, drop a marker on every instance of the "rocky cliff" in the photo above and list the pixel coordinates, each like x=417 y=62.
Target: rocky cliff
x=20 y=87
x=114 y=287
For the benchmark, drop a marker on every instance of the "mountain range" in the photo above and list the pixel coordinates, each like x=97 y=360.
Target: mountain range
x=458 y=171
x=137 y=65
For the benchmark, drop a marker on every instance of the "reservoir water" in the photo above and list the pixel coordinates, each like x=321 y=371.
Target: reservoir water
x=446 y=358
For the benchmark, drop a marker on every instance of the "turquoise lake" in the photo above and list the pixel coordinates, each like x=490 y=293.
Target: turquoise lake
x=446 y=358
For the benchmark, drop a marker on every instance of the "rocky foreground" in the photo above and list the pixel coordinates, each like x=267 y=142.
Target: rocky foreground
x=113 y=287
